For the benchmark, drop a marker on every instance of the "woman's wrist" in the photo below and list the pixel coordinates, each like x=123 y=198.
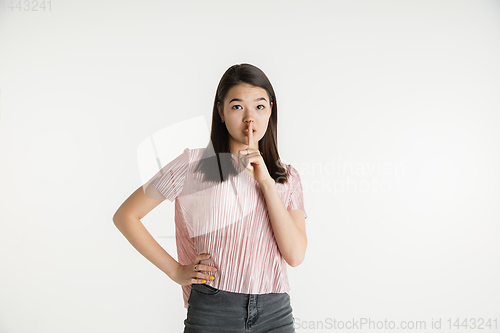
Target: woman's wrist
x=267 y=183
x=173 y=270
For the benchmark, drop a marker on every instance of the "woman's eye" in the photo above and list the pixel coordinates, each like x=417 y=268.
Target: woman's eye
x=257 y=106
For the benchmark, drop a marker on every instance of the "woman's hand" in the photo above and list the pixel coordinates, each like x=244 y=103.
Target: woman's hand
x=185 y=274
x=252 y=160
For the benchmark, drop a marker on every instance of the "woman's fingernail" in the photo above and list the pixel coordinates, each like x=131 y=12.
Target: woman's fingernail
x=203 y=281
x=211 y=278
x=208 y=255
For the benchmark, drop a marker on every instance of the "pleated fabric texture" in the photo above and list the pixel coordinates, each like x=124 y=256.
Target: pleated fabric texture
x=230 y=221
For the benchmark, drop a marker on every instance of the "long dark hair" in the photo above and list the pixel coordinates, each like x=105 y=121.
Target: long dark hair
x=216 y=163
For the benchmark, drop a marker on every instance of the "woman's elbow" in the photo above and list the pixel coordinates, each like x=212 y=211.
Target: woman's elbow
x=295 y=263
x=296 y=260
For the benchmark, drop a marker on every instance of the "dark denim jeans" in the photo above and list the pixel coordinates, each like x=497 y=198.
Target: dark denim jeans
x=215 y=310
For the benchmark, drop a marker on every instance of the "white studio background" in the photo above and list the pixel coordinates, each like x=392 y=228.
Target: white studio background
x=388 y=109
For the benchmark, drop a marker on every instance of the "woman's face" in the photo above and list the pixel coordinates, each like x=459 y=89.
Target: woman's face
x=245 y=103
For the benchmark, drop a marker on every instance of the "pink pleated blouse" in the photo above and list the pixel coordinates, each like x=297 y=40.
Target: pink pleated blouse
x=230 y=221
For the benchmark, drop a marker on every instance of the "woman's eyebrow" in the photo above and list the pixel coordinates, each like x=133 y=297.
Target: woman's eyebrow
x=240 y=100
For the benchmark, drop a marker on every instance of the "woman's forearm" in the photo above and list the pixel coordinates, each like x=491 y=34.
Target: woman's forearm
x=140 y=238
x=292 y=241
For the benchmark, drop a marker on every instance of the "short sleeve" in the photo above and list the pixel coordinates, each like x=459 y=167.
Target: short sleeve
x=296 y=197
x=169 y=181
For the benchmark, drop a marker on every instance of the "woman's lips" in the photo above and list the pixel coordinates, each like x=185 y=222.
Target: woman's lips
x=245 y=131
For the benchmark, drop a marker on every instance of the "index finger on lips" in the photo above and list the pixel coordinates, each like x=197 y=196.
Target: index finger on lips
x=250 y=134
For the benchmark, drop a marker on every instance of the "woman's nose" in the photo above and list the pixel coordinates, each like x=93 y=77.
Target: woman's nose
x=249 y=115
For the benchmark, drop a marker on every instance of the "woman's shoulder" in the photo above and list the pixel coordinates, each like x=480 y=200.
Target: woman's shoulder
x=196 y=150
x=291 y=173
x=290 y=169
x=195 y=153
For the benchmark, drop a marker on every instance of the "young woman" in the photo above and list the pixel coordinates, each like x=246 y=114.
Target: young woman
x=239 y=215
